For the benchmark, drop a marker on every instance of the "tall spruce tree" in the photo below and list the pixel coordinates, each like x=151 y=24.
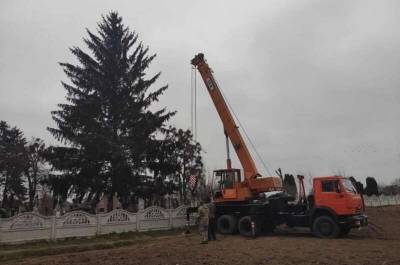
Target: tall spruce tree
x=107 y=126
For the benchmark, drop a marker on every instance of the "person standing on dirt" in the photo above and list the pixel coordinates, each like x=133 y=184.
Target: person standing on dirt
x=203 y=221
x=211 y=220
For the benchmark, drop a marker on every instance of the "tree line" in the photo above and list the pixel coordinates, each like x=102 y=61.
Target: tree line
x=114 y=139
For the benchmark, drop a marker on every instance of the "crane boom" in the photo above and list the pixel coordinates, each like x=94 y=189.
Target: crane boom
x=230 y=127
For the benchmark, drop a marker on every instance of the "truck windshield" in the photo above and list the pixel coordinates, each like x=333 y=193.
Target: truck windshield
x=349 y=187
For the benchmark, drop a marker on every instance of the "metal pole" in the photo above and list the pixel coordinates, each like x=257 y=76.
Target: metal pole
x=228 y=156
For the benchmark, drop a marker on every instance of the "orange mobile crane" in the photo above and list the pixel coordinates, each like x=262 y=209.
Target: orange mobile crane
x=233 y=188
x=245 y=204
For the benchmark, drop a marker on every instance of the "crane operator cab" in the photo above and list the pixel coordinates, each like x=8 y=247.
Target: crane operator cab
x=229 y=185
x=227 y=180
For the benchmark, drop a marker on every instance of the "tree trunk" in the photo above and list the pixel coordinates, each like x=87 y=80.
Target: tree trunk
x=180 y=188
x=31 y=193
x=110 y=202
x=184 y=184
x=5 y=191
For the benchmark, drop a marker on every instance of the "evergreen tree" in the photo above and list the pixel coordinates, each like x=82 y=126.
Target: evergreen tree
x=372 y=187
x=107 y=125
x=12 y=165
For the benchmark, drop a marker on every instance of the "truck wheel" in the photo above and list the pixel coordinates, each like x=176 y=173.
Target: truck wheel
x=245 y=226
x=325 y=227
x=227 y=224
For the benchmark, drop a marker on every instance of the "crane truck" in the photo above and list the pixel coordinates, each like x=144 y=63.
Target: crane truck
x=253 y=204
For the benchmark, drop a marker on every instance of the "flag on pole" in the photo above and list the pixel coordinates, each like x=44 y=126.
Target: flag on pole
x=192 y=181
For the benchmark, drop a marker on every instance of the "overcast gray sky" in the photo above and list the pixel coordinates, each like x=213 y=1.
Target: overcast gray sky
x=315 y=83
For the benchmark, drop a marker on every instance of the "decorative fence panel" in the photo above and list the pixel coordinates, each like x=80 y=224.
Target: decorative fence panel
x=117 y=221
x=154 y=218
x=75 y=224
x=178 y=217
x=24 y=226
x=33 y=226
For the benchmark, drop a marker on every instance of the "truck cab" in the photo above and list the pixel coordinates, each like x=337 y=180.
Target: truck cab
x=335 y=207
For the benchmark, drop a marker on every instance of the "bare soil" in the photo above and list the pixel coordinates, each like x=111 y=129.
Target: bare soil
x=379 y=244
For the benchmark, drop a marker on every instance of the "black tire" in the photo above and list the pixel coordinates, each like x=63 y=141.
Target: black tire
x=344 y=230
x=227 y=224
x=244 y=226
x=325 y=227
x=245 y=229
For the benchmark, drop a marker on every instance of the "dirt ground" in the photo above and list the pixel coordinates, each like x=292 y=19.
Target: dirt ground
x=377 y=245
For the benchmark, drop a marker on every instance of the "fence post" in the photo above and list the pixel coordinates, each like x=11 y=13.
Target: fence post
x=53 y=234
x=98 y=220
x=1 y=226
x=170 y=218
x=138 y=220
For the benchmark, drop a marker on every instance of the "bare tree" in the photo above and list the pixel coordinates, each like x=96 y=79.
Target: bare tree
x=35 y=170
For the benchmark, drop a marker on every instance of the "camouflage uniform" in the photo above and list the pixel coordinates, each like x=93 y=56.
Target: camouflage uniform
x=203 y=221
x=211 y=221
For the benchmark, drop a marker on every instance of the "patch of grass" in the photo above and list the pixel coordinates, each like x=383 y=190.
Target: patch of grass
x=72 y=245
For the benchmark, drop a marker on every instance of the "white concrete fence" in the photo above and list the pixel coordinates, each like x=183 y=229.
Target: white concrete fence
x=383 y=200
x=33 y=226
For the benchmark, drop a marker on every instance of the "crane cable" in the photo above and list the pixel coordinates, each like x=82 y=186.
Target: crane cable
x=191 y=99
x=244 y=130
x=195 y=105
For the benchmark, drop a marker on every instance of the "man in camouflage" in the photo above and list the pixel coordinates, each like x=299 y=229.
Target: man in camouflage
x=211 y=220
x=203 y=221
